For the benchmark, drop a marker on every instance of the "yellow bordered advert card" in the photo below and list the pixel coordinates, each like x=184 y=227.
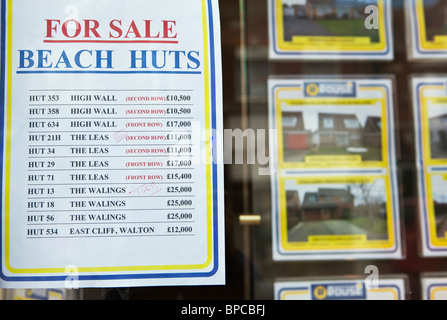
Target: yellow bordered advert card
x=427 y=29
x=334 y=29
x=430 y=114
x=335 y=190
x=340 y=289
x=434 y=286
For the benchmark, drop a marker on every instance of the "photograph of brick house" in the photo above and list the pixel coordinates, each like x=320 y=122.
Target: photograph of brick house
x=438 y=136
x=441 y=218
x=440 y=204
x=327 y=204
x=293 y=208
x=338 y=208
x=319 y=133
x=321 y=9
x=326 y=18
x=372 y=132
x=338 y=130
x=296 y=137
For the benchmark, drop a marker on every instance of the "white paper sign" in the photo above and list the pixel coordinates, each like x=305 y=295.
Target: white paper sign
x=111 y=171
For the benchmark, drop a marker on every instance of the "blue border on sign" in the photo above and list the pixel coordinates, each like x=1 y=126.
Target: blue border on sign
x=392 y=181
x=214 y=172
x=366 y=53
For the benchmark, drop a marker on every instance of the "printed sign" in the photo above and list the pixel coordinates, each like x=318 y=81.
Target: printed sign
x=347 y=289
x=434 y=287
x=430 y=114
x=428 y=29
x=334 y=29
x=112 y=172
x=38 y=294
x=334 y=193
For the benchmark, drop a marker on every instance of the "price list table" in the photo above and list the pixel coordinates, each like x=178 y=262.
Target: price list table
x=110 y=164
x=110 y=181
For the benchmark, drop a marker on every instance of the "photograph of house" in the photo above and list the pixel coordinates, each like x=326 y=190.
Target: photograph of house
x=338 y=208
x=440 y=204
x=294 y=133
x=441 y=218
x=372 y=132
x=293 y=207
x=320 y=132
x=321 y=9
x=435 y=18
x=338 y=130
x=327 y=204
x=326 y=18
x=438 y=136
